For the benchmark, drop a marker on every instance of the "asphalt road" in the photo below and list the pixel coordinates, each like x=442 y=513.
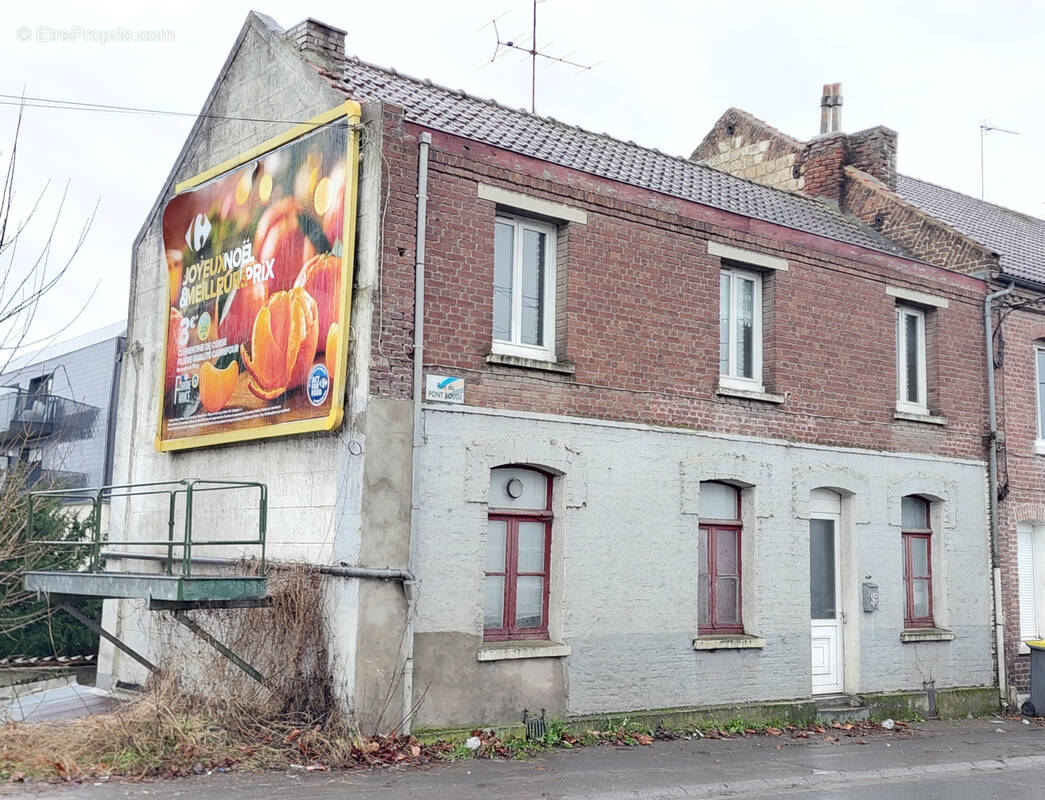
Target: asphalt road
x=968 y=759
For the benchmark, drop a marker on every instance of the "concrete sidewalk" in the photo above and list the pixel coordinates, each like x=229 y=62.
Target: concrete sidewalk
x=988 y=757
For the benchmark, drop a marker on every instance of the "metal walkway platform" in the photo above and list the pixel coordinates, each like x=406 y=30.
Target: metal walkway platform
x=174 y=586
x=214 y=590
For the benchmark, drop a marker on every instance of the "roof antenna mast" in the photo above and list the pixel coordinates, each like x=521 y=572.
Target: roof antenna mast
x=984 y=130
x=533 y=51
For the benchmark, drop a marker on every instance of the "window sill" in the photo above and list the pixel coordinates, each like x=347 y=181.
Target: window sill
x=926 y=635
x=1023 y=649
x=926 y=417
x=505 y=651
x=750 y=394
x=505 y=360
x=729 y=641
x=1039 y=447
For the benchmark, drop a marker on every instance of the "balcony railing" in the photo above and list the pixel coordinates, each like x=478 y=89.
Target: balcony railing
x=176 y=539
x=28 y=417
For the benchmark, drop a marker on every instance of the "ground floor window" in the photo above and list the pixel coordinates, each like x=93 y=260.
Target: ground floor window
x=518 y=545
x=917 y=563
x=1029 y=550
x=718 y=573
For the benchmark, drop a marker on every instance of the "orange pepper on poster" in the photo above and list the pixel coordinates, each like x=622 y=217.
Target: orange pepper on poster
x=217 y=385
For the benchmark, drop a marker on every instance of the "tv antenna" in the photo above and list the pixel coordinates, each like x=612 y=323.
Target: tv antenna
x=984 y=130
x=533 y=51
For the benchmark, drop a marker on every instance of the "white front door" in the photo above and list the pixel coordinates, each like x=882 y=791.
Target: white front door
x=825 y=594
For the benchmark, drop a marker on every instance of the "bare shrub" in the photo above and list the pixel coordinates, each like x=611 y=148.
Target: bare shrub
x=286 y=641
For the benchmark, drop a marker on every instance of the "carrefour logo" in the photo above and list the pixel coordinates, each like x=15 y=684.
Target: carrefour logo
x=198 y=233
x=318 y=385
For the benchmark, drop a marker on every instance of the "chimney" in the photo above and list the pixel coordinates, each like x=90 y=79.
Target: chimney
x=322 y=44
x=831 y=108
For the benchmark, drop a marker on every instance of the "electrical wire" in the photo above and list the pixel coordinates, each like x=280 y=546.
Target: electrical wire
x=77 y=105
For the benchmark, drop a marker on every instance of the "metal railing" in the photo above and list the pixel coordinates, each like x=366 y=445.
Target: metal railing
x=186 y=489
x=26 y=416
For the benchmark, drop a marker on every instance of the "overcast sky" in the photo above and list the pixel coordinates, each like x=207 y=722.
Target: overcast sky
x=665 y=71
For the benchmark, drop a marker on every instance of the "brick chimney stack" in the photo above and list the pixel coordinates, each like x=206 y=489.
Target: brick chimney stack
x=322 y=44
x=831 y=108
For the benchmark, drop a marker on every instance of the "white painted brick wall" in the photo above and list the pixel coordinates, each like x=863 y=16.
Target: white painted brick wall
x=313 y=514
x=629 y=559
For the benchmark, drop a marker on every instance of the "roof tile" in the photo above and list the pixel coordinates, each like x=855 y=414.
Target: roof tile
x=458 y=113
x=1018 y=238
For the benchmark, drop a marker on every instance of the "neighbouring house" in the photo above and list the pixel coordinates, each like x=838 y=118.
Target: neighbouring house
x=58 y=409
x=857 y=174
x=1017 y=245
x=710 y=442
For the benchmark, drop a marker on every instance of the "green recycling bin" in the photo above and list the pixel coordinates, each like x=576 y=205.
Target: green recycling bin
x=1037 y=676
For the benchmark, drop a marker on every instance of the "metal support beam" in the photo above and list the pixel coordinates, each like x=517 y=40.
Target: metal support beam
x=189 y=623
x=207 y=605
x=94 y=626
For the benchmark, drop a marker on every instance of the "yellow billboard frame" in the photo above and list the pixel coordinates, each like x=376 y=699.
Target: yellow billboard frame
x=352 y=112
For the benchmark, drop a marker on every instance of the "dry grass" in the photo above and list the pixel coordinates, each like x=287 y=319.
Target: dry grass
x=155 y=737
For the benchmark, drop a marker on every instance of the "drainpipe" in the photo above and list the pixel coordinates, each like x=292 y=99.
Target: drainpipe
x=992 y=489
x=410 y=587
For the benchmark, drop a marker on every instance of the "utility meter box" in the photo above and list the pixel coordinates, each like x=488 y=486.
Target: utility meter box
x=870 y=592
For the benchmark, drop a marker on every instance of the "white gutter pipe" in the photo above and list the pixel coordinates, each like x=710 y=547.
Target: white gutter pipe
x=410 y=587
x=992 y=490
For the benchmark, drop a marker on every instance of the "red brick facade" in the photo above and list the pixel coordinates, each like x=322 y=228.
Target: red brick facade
x=637 y=312
x=821 y=165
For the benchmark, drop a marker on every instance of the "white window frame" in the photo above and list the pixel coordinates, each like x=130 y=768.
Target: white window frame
x=902 y=403
x=730 y=379
x=1032 y=534
x=516 y=347
x=1039 y=443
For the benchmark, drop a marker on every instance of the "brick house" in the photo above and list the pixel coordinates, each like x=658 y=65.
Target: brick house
x=681 y=474
x=857 y=173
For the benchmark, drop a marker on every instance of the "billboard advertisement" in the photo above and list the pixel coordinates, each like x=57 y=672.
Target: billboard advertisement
x=259 y=254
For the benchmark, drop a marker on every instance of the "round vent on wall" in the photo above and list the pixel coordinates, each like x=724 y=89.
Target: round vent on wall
x=514 y=488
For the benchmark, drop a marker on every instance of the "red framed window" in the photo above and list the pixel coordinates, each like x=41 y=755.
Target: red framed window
x=917 y=562
x=518 y=555
x=719 y=575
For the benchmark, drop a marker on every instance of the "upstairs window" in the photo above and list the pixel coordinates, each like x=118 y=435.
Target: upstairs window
x=524 y=288
x=41 y=384
x=910 y=360
x=740 y=329
x=518 y=553
x=917 y=562
x=718 y=573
